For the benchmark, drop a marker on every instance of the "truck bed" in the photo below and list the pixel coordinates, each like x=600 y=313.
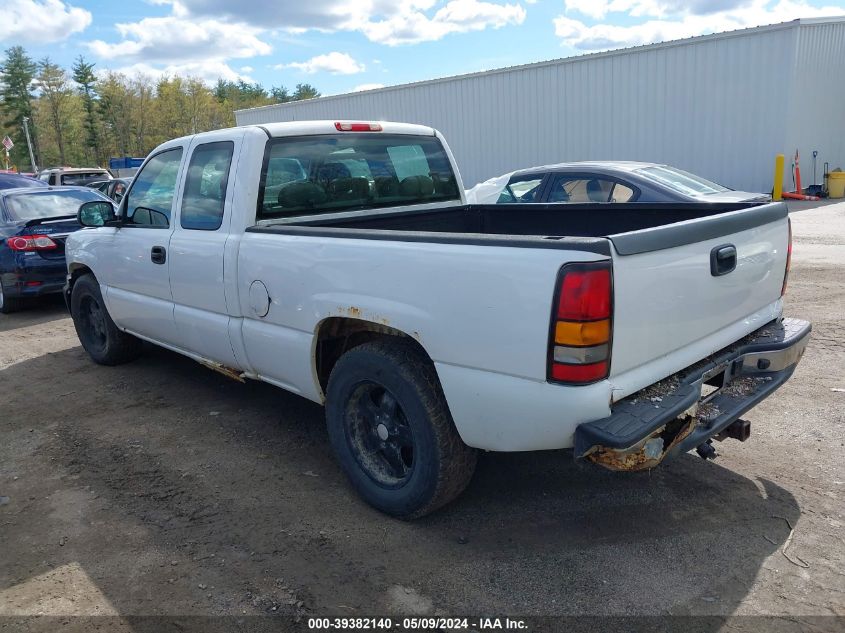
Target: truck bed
x=633 y=228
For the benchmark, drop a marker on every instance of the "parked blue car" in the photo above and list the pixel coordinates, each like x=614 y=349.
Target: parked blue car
x=34 y=223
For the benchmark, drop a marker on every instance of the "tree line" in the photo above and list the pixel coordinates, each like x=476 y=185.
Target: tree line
x=80 y=117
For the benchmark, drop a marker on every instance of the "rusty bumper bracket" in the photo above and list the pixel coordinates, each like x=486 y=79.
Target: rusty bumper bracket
x=676 y=415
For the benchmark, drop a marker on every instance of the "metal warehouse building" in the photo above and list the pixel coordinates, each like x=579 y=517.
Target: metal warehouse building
x=718 y=105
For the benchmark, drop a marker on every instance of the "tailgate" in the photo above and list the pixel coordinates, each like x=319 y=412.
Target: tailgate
x=677 y=297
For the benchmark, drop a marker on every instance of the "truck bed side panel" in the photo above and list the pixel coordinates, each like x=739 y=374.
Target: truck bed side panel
x=485 y=308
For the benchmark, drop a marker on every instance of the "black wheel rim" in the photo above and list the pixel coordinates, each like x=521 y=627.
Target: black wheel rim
x=379 y=435
x=93 y=322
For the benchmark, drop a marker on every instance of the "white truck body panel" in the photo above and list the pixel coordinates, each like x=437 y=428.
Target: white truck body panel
x=481 y=312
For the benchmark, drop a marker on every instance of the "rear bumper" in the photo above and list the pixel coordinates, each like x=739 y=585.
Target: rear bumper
x=680 y=413
x=34 y=282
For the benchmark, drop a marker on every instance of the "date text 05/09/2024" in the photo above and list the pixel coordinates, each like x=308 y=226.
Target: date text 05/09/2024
x=416 y=623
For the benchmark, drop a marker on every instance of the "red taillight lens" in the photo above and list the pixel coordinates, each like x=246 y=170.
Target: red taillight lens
x=579 y=373
x=341 y=126
x=585 y=295
x=579 y=343
x=31 y=243
x=788 y=258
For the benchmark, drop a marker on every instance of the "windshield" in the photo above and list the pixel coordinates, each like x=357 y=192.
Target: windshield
x=330 y=173
x=37 y=205
x=681 y=181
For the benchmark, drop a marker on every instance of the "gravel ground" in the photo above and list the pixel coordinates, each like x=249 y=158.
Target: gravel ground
x=162 y=488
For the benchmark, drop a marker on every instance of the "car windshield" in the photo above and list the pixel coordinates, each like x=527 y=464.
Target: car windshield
x=681 y=181
x=38 y=205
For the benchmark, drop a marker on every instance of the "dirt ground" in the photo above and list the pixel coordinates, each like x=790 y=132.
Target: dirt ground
x=162 y=488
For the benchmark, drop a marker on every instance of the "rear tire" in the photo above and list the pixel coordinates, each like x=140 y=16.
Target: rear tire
x=100 y=337
x=392 y=432
x=8 y=304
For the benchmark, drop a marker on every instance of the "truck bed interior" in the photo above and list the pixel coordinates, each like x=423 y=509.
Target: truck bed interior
x=569 y=220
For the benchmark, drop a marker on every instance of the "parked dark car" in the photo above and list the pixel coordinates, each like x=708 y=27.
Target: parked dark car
x=114 y=188
x=16 y=181
x=34 y=223
x=602 y=182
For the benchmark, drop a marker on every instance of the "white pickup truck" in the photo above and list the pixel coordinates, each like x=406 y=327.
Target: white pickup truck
x=339 y=261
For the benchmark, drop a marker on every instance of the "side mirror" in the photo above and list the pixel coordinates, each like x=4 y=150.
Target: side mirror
x=96 y=213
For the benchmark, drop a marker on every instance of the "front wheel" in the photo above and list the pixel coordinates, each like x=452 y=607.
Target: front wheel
x=392 y=432
x=100 y=337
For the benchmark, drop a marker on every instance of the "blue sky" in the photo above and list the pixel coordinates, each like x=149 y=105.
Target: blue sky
x=344 y=45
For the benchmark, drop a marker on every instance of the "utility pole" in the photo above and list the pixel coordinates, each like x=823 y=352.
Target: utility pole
x=29 y=144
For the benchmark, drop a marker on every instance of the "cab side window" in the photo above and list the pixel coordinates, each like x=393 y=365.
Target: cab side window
x=205 y=188
x=150 y=199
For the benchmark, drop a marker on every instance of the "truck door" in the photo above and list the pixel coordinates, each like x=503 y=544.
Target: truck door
x=197 y=249
x=138 y=293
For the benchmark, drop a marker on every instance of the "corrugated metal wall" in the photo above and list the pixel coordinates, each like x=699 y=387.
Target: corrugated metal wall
x=817 y=99
x=716 y=105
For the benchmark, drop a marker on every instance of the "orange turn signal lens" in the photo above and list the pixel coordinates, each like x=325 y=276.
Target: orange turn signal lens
x=580 y=334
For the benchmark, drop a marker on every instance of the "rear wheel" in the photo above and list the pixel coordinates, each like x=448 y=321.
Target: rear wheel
x=100 y=337
x=8 y=304
x=392 y=432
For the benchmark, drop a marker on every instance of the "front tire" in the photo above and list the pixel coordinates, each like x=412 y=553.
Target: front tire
x=392 y=432
x=100 y=337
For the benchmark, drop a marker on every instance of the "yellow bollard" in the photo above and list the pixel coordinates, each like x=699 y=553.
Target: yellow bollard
x=777 y=189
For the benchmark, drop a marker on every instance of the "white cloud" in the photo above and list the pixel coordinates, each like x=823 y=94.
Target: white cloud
x=363 y=87
x=457 y=16
x=209 y=71
x=383 y=21
x=674 y=19
x=334 y=63
x=178 y=39
x=205 y=35
x=41 y=21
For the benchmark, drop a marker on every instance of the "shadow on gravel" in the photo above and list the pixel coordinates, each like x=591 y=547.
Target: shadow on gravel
x=169 y=462
x=35 y=312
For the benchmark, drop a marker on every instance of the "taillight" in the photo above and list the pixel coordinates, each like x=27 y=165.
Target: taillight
x=582 y=324
x=31 y=243
x=341 y=126
x=788 y=258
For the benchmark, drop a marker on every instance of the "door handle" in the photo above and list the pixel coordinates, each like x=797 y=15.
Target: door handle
x=722 y=260
x=158 y=255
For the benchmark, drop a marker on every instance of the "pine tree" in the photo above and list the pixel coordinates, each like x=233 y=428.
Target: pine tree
x=305 y=91
x=83 y=75
x=17 y=73
x=280 y=94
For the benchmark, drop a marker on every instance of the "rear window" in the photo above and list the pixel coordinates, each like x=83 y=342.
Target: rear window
x=324 y=174
x=681 y=181
x=81 y=178
x=13 y=181
x=38 y=205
